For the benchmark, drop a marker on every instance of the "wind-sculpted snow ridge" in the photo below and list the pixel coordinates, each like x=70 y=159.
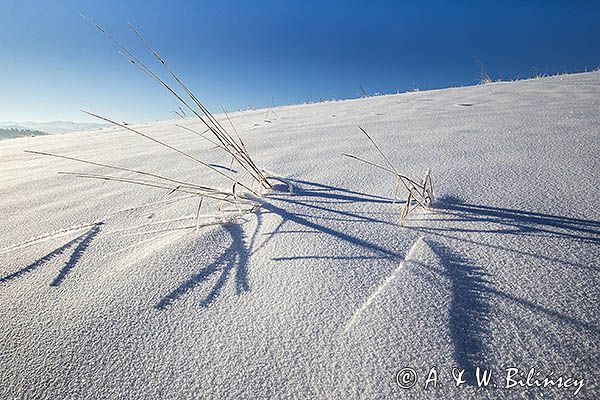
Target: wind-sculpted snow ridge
x=317 y=290
x=389 y=281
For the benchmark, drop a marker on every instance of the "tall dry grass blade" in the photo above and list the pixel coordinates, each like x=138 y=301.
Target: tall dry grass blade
x=198 y=215
x=233 y=127
x=370 y=163
x=171 y=148
x=200 y=187
x=239 y=153
x=380 y=167
x=431 y=187
x=201 y=134
x=179 y=81
x=411 y=191
x=137 y=62
x=379 y=150
x=404 y=211
x=483 y=74
x=214 y=126
x=143 y=182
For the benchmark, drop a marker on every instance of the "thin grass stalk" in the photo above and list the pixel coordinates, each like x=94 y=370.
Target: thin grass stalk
x=404 y=211
x=410 y=191
x=200 y=187
x=419 y=193
x=181 y=189
x=225 y=135
x=257 y=174
x=217 y=128
x=149 y=181
x=381 y=167
x=424 y=183
x=233 y=127
x=431 y=185
x=379 y=150
x=170 y=147
x=198 y=216
x=201 y=135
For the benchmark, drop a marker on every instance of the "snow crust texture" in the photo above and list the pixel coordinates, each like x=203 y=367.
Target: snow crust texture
x=320 y=293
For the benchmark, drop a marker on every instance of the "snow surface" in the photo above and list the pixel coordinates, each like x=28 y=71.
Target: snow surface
x=320 y=293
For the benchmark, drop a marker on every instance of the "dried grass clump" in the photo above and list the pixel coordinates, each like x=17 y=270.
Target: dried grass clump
x=418 y=194
x=234 y=147
x=221 y=138
x=484 y=76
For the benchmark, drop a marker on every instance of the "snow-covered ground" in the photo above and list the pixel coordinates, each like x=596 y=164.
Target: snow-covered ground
x=320 y=293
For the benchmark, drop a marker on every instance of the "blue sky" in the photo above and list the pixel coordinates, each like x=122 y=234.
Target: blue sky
x=247 y=53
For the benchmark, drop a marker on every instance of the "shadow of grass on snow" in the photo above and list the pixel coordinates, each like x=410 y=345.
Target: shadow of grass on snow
x=470 y=309
x=83 y=242
x=518 y=222
x=459 y=218
x=315 y=202
x=303 y=208
x=233 y=261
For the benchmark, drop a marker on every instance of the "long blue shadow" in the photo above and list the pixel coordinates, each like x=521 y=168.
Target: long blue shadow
x=235 y=257
x=310 y=195
x=469 y=309
x=84 y=240
x=519 y=221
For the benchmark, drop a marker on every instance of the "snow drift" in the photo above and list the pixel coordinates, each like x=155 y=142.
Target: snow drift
x=319 y=293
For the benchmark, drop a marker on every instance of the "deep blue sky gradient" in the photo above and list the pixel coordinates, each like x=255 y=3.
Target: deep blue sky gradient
x=245 y=53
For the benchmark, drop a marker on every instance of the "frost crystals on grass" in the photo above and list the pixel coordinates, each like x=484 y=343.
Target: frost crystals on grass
x=418 y=195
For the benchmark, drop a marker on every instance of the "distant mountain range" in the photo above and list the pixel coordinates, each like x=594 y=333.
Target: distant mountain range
x=53 y=126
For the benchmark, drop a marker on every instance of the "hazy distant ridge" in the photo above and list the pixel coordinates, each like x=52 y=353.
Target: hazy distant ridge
x=52 y=126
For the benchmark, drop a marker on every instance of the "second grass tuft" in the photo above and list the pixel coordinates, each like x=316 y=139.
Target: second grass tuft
x=417 y=194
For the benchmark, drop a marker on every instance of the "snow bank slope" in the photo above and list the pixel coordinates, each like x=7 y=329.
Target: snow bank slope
x=320 y=293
